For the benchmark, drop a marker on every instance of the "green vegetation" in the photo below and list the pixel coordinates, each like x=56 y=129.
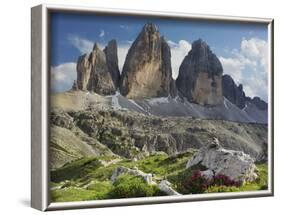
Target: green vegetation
x=89 y=178
x=95 y=191
x=128 y=186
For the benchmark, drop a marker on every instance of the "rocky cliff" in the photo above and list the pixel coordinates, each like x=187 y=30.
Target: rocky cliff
x=93 y=72
x=236 y=95
x=112 y=61
x=232 y=92
x=147 y=70
x=200 y=76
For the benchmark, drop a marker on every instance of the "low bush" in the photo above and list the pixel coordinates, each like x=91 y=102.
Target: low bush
x=127 y=186
x=223 y=180
x=194 y=182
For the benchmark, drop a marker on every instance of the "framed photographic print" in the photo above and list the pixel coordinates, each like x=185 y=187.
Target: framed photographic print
x=141 y=107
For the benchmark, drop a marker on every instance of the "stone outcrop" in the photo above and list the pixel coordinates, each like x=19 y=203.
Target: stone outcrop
x=236 y=165
x=93 y=73
x=165 y=186
x=147 y=69
x=260 y=104
x=234 y=93
x=200 y=76
x=112 y=61
x=136 y=172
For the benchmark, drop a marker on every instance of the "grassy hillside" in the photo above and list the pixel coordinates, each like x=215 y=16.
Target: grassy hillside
x=89 y=178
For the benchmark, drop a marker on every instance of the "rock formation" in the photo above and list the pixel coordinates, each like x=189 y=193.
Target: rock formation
x=165 y=186
x=147 y=177
x=236 y=165
x=200 y=76
x=74 y=85
x=236 y=95
x=93 y=73
x=260 y=104
x=147 y=69
x=232 y=92
x=112 y=61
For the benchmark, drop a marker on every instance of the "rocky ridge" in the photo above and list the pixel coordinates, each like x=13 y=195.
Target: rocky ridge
x=94 y=71
x=147 y=74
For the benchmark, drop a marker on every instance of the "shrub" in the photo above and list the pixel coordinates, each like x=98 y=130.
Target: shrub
x=196 y=183
x=127 y=186
x=223 y=180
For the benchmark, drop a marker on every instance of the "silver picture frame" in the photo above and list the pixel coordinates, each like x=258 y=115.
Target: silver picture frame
x=40 y=78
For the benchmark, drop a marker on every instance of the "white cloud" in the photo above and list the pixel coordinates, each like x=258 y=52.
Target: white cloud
x=62 y=76
x=83 y=45
x=256 y=49
x=248 y=66
x=124 y=27
x=178 y=52
x=102 y=33
x=232 y=67
x=122 y=53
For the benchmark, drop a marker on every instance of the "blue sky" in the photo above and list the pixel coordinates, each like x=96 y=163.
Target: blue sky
x=242 y=48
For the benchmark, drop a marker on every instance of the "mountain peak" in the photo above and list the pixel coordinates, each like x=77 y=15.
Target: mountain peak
x=200 y=75
x=150 y=27
x=147 y=69
x=95 y=47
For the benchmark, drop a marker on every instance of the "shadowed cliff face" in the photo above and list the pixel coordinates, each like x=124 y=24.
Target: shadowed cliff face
x=232 y=92
x=147 y=70
x=200 y=76
x=112 y=61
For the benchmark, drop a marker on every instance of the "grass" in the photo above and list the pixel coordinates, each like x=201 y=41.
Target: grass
x=95 y=191
x=88 y=179
x=75 y=170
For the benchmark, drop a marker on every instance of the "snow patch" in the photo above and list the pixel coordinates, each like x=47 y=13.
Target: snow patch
x=136 y=104
x=224 y=102
x=244 y=109
x=160 y=100
x=115 y=102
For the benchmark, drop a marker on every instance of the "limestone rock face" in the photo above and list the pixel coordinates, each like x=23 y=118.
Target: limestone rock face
x=236 y=165
x=200 y=76
x=147 y=70
x=93 y=73
x=112 y=61
x=232 y=92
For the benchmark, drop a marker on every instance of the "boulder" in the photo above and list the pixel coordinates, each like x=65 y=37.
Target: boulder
x=165 y=186
x=236 y=165
x=200 y=76
x=147 y=69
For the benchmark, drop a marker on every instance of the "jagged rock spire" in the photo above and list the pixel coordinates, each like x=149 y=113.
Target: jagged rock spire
x=147 y=70
x=200 y=75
